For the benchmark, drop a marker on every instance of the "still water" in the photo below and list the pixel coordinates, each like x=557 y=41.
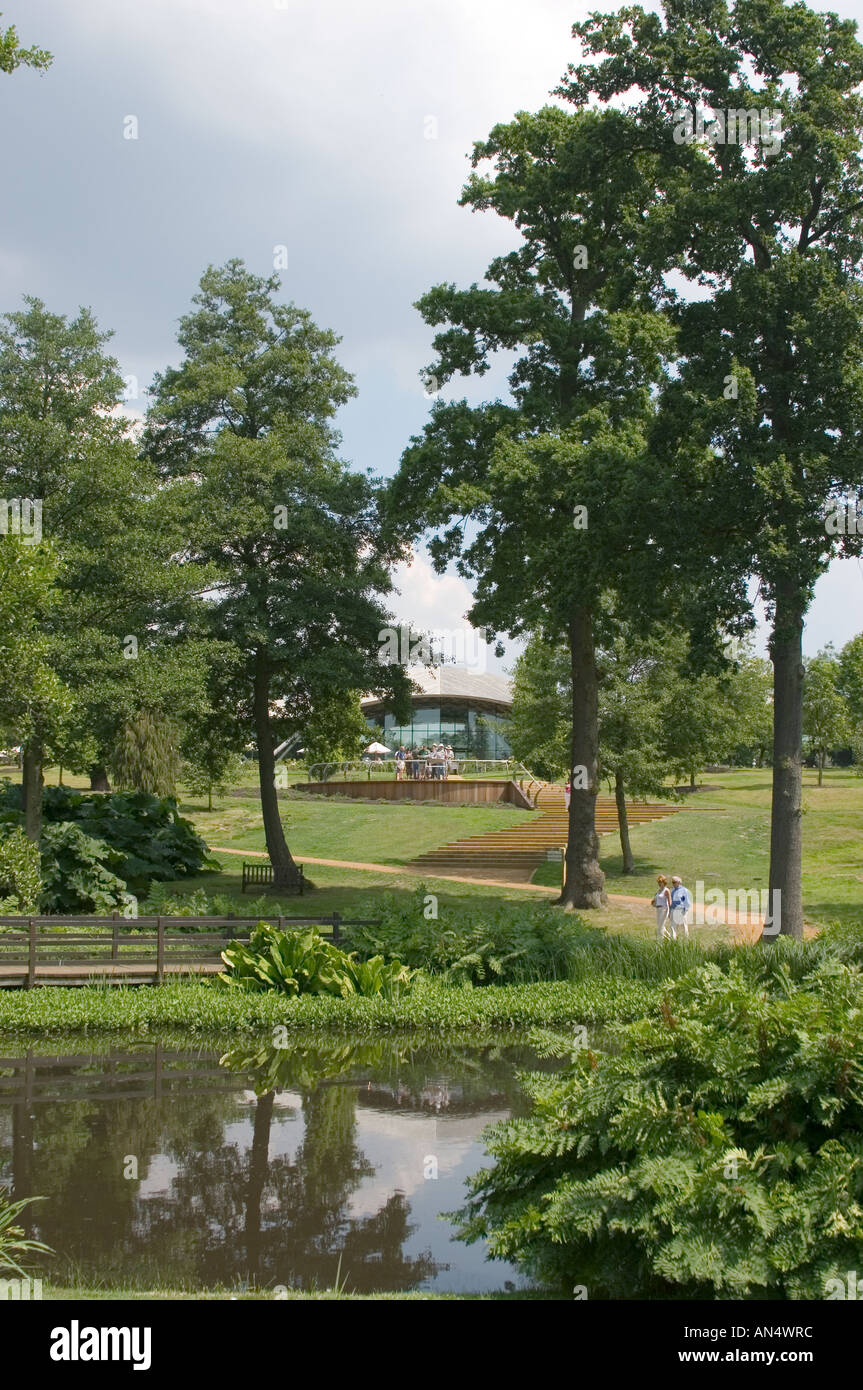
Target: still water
x=325 y=1159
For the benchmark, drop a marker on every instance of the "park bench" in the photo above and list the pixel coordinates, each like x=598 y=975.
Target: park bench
x=261 y=876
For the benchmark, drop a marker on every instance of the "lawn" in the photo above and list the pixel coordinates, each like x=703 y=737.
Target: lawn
x=331 y=828
x=724 y=841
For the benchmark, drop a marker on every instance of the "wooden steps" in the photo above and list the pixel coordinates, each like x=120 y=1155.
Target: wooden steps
x=515 y=853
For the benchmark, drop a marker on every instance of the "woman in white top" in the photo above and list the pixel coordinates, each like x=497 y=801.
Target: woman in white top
x=662 y=902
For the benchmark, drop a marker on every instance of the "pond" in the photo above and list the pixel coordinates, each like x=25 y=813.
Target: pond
x=326 y=1159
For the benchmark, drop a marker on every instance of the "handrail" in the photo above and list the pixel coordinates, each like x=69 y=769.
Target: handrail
x=324 y=772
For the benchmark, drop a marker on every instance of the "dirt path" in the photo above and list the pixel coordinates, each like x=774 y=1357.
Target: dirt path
x=748 y=929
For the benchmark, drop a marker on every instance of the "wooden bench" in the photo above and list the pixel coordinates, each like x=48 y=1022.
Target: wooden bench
x=259 y=875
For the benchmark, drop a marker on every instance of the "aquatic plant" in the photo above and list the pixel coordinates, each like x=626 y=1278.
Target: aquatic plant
x=13 y=1241
x=296 y=962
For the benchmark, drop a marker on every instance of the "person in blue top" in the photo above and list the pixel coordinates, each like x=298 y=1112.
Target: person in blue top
x=681 y=906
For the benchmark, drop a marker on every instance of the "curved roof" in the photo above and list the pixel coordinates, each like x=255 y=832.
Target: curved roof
x=455 y=683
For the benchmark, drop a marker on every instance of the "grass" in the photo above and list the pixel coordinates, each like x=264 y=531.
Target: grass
x=165 y=1293
x=391 y=833
x=724 y=841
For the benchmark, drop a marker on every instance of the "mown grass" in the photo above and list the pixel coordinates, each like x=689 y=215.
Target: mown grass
x=723 y=838
x=379 y=832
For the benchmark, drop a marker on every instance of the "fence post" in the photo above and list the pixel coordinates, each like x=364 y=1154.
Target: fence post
x=160 y=950
x=31 y=961
x=337 y=936
x=115 y=932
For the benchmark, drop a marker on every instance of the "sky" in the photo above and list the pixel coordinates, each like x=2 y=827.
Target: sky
x=340 y=132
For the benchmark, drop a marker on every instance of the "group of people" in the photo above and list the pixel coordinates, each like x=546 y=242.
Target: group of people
x=421 y=763
x=673 y=906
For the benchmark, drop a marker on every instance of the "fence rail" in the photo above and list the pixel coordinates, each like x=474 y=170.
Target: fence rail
x=34 y=956
x=362 y=769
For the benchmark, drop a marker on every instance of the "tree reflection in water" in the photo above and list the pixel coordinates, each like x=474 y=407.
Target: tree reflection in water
x=211 y=1204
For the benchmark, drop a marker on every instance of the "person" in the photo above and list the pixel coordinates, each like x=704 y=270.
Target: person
x=681 y=906
x=400 y=762
x=662 y=902
x=450 y=761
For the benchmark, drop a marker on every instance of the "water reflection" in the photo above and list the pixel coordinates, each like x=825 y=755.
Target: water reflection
x=265 y=1166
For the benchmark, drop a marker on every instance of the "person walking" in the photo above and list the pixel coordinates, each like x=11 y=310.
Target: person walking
x=681 y=906
x=662 y=902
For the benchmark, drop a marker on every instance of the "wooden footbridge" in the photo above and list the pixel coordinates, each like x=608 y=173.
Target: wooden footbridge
x=114 y=951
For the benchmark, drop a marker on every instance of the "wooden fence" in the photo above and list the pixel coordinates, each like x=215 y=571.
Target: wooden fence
x=126 y=956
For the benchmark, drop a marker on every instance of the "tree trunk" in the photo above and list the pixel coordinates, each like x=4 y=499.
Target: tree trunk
x=585 y=881
x=623 y=824
x=99 y=779
x=786 y=824
x=31 y=788
x=258 y=1168
x=210 y=797
x=286 y=875
x=692 y=779
x=821 y=768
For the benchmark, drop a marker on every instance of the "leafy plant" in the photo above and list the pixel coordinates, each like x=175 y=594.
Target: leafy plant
x=303 y=963
x=20 y=880
x=714 y=1150
x=13 y=1243
x=151 y=839
x=78 y=871
x=478 y=946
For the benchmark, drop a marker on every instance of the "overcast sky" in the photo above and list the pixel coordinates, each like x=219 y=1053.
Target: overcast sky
x=336 y=129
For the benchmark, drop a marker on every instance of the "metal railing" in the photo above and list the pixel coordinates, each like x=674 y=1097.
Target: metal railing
x=359 y=770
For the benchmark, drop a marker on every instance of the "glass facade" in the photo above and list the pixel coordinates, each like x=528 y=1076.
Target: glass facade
x=473 y=733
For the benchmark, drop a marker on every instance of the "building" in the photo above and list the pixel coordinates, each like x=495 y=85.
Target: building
x=451 y=705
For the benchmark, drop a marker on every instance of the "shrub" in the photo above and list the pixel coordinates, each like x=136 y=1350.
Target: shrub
x=152 y=839
x=78 y=872
x=303 y=963
x=714 y=1150
x=478 y=945
x=20 y=881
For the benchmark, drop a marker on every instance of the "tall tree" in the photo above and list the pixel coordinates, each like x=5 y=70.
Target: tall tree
x=292 y=536
x=826 y=721
x=33 y=701
x=556 y=481
x=121 y=589
x=850 y=677
x=771 y=197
